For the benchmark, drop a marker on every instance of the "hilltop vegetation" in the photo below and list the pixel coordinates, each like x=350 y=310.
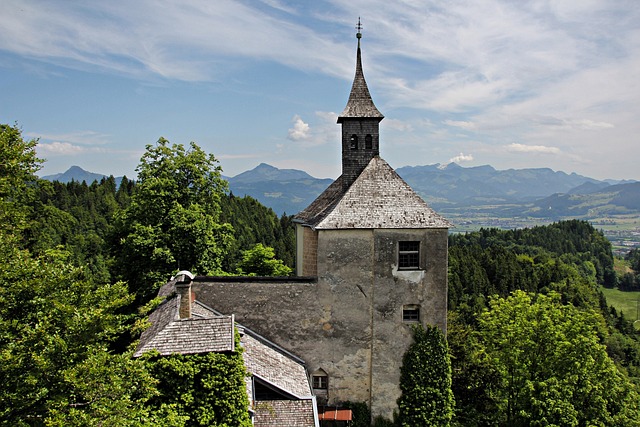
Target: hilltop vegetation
x=529 y=326
x=532 y=340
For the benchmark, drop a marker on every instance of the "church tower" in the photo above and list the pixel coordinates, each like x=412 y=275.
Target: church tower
x=379 y=254
x=360 y=125
x=371 y=262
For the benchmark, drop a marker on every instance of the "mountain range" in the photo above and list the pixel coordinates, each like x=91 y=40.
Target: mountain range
x=450 y=189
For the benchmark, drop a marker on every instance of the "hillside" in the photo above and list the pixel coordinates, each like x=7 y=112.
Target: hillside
x=455 y=191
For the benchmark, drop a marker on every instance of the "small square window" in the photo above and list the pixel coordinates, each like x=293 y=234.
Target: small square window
x=410 y=313
x=409 y=255
x=320 y=382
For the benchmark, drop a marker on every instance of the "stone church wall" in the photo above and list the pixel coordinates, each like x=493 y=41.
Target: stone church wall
x=349 y=322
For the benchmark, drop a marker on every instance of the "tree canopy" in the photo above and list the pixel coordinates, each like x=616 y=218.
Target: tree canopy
x=172 y=222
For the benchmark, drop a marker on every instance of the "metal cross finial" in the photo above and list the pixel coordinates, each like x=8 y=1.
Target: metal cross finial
x=359 y=28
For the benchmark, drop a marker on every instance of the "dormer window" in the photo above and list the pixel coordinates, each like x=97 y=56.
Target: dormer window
x=353 y=144
x=368 y=142
x=320 y=382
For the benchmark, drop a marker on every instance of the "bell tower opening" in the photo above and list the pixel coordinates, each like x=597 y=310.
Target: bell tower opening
x=360 y=125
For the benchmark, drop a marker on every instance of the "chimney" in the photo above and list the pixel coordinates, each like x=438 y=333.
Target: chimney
x=183 y=289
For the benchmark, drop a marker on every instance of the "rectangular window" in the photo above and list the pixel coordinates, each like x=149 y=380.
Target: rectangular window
x=320 y=382
x=410 y=313
x=408 y=255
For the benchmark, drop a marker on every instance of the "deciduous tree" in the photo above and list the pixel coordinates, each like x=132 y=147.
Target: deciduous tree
x=172 y=222
x=553 y=366
x=260 y=261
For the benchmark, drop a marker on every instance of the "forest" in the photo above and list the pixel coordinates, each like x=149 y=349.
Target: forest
x=531 y=339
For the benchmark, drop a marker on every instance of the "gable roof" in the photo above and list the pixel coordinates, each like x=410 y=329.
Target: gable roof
x=274 y=367
x=168 y=334
x=208 y=331
x=378 y=198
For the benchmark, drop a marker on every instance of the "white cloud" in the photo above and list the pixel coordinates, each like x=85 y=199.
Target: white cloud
x=467 y=125
x=399 y=125
x=81 y=137
x=460 y=158
x=57 y=148
x=71 y=143
x=542 y=149
x=300 y=130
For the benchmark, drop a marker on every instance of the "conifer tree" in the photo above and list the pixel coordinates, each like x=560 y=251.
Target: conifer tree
x=425 y=380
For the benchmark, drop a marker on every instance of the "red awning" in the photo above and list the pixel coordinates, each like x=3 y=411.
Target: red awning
x=332 y=413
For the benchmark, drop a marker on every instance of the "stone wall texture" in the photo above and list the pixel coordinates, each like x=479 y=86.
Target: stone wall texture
x=349 y=321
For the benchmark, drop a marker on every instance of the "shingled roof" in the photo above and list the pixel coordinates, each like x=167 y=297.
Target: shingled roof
x=208 y=331
x=168 y=334
x=360 y=103
x=266 y=362
x=378 y=198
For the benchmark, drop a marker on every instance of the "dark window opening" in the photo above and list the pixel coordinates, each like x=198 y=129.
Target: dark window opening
x=411 y=313
x=368 y=142
x=409 y=255
x=320 y=382
x=354 y=142
x=263 y=391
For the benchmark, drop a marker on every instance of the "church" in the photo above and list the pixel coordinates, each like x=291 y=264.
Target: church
x=371 y=261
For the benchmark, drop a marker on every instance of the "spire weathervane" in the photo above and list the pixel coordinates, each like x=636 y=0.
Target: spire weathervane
x=359 y=28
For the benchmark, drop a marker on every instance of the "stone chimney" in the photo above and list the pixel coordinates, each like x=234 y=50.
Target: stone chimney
x=183 y=289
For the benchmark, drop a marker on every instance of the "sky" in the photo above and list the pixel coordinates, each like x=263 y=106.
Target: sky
x=513 y=84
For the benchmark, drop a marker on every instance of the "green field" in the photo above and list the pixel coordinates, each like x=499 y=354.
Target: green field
x=626 y=302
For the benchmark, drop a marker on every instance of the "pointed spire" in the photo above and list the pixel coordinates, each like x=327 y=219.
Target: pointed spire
x=360 y=103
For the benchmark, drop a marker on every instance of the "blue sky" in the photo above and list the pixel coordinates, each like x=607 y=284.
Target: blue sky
x=513 y=84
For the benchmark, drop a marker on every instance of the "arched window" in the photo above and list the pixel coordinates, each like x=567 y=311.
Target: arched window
x=354 y=142
x=368 y=142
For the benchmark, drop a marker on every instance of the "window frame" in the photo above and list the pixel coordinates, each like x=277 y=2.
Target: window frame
x=409 y=254
x=368 y=142
x=411 y=313
x=320 y=382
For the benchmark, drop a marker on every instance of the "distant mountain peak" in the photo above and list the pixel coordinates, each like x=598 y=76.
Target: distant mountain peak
x=266 y=172
x=76 y=173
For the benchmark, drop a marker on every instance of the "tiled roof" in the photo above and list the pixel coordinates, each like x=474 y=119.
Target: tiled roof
x=378 y=198
x=274 y=367
x=164 y=314
x=284 y=413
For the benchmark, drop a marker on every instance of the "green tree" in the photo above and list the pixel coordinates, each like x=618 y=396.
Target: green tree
x=205 y=389
x=553 y=366
x=18 y=165
x=260 y=261
x=172 y=222
x=475 y=380
x=110 y=390
x=55 y=331
x=425 y=380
